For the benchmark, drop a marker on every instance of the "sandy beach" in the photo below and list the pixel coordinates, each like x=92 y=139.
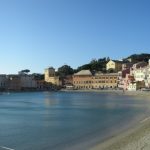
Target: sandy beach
x=137 y=138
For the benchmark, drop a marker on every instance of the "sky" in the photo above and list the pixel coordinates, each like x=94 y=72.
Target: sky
x=36 y=34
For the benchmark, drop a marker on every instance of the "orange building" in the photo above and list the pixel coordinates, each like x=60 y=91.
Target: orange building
x=86 y=80
x=82 y=80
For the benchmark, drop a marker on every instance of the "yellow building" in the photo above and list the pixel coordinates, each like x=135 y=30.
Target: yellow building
x=107 y=80
x=114 y=65
x=50 y=76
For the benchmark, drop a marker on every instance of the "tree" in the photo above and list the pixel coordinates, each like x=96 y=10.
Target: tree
x=111 y=71
x=38 y=76
x=84 y=67
x=26 y=71
x=94 y=65
x=139 y=57
x=65 y=70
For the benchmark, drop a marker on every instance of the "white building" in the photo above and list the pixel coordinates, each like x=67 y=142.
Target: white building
x=27 y=81
x=147 y=79
x=132 y=86
x=142 y=74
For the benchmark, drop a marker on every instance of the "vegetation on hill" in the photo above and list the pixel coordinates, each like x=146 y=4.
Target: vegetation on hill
x=65 y=70
x=99 y=64
x=38 y=76
x=95 y=65
x=139 y=57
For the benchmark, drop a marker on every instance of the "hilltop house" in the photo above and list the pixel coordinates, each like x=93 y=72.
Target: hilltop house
x=114 y=65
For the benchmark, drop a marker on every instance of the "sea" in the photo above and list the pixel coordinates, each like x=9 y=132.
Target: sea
x=66 y=120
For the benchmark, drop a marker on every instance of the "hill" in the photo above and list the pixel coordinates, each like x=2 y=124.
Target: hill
x=138 y=57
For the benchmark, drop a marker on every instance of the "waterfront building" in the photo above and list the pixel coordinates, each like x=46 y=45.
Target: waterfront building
x=14 y=82
x=114 y=65
x=142 y=73
x=120 y=80
x=129 y=79
x=82 y=79
x=148 y=76
x=27 y=81
x=50 y=77
x=134 y=86
x=132 y=76
x=86 y=80
x=105 y=80
x=3 y=82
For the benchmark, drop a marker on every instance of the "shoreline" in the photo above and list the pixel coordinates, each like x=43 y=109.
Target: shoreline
x=118 y=92
x=135 y=138
x=111 y=91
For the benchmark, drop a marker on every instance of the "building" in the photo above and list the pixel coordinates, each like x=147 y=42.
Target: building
x=134 y=86
x=27 y=81
x=127 y=80
x=3 y=82
x=139 y=65
x=133 y=75
x=82 y=79
x=14 y=82
x=114 y=65
x=142 y=73
x=107 y=80
x=50 y=77
x=86 y=80
x=127 y=65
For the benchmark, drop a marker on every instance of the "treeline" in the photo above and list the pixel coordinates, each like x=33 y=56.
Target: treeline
x=100 y=64
x=93 y=65
x=139 y=57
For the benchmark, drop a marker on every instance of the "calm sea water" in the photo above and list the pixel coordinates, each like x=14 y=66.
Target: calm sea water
x=64 y=120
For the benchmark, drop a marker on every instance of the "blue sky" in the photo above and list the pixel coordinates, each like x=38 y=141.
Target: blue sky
x=35 y=34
